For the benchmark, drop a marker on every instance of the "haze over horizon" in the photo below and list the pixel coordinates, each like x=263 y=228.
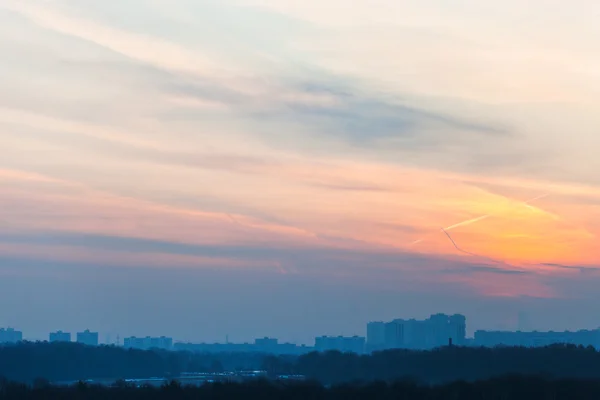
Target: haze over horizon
x=284 y=168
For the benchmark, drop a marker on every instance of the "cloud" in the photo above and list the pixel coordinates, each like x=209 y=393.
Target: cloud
x=381 y=268
x=151 y=50
x=487 y=269
x=304 y=254
x=141 y=245
x=338 y=114
x=341 y=110
x=582 y=269
x=309 y=139
x=366 y=121
x=351 y=187
x=306 y=258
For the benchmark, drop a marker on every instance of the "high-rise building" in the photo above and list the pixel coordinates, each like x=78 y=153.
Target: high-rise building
x=436 y=331
x=394 y=334
x=439 y=331
x=88 y=338
x=418 y=334
x=60 y=336
x=375 y=336
x=458 y=329
x=10 y=336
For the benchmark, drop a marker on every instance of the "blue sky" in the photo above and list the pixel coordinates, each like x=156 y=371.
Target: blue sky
x=174 y=167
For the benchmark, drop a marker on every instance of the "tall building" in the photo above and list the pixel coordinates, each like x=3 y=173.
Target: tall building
x=394 y=334
x=375 y=336
x=436 y=331
x=458 y=329
x=147 y=343
x=88 y=338
x=418 y=334
x=355 y=344
x=60 y=336
x=10 y=336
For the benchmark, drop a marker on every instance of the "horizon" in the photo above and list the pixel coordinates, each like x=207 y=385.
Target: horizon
x=241 y=167
x=115 y=338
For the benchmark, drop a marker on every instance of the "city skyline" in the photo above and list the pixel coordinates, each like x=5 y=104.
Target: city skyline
x=434 y=331
x=236 y=167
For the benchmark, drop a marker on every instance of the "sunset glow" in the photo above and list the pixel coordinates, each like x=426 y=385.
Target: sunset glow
x=305 y=139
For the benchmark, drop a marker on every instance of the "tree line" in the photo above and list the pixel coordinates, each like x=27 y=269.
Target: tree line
x=502 y=388
x=58 y=362
x=445 y=364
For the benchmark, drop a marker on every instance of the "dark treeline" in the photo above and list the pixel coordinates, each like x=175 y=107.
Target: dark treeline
x=56 y=362
x=59 y=362
x=444 y=364
x=504 y=388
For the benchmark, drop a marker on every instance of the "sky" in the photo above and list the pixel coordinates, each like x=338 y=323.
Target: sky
x=293 y=168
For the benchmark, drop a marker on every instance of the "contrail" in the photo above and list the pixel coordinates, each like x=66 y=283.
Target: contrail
x=456 y=246
x=480 y=218
x=473 y=254
x=473 y=220
x=534 y=199
x=541 y=196
x=467 y=222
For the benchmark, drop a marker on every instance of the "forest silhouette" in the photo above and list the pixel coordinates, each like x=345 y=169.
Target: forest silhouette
x=503 y=388
x=59 y=362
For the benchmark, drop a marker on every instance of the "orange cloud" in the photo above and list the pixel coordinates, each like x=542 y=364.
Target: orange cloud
x=333 y=204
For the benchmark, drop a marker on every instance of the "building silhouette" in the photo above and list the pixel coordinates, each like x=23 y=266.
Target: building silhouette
x=59 y=336
x=436 y=331
x=88 y=338
x=376 y=334
x=147 y=343
x=266 y=345
x=262 y=345
x=10 y=336
x=457 y=324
